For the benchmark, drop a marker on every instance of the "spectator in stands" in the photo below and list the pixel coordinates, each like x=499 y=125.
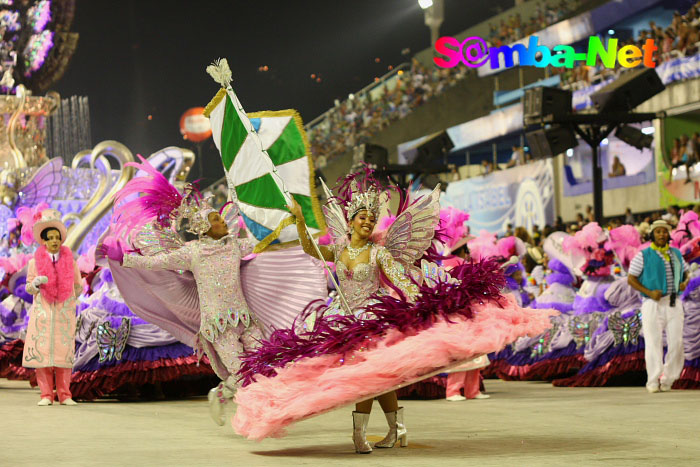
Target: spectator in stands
x=676 y=153
x=454 y=174
x=688 y=155
x=486 y=167
x=509 y=230
x=546 y=232
x=522 y=234
x=590 y=216
x=618 y=169
x=559 y=225
x=671 y=215
x=579 y=220
x=536 y=235
x=517 y=157
x=629 y=217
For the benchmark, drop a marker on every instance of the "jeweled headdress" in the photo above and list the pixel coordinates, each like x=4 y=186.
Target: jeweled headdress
x=195 y=210
x=360 y=191
x=368 y=200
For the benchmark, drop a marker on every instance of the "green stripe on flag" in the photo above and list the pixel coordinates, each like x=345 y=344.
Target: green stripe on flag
x=262 y=192
x=305 y=203
x=233 y=134
x=289 y=146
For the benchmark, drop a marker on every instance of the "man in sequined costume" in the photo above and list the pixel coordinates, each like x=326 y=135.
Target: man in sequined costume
x=227 y=327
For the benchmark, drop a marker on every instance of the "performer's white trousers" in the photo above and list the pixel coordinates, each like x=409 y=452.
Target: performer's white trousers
x=657 y=317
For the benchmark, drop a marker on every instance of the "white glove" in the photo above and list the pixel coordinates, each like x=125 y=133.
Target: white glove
x=38 y=280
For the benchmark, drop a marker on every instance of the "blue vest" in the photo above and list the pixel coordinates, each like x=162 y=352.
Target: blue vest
x=653 y=275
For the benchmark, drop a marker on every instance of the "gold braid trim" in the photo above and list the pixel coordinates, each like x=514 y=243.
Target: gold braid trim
x=265 y=242
x=214 y=102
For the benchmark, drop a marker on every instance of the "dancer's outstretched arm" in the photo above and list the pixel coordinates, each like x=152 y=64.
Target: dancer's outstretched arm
x=180 y=259
x=304 y=239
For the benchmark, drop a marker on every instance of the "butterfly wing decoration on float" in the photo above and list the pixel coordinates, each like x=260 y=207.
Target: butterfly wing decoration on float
x=43 y=186
x=110 y=341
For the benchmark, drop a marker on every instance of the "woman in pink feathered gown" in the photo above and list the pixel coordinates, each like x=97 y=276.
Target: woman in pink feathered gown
x=365 y=346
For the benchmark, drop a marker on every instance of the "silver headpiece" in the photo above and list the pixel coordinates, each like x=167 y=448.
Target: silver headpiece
x=195 y=211
x=361 y=201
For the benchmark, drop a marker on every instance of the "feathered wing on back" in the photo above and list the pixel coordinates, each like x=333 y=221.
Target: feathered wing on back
x=335 y=219
x=413 y=231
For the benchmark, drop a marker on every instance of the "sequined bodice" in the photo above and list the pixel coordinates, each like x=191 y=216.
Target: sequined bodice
x=215 y=265
x=359 y=282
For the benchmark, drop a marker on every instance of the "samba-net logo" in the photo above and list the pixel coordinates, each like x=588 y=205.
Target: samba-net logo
x=474 y=53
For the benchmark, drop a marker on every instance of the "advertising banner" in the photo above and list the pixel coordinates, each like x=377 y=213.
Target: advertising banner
x=522 y=196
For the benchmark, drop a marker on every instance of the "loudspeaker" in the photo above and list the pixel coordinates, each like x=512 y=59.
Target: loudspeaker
x=542 y=101
x=627 y=92
x=434 y=150
x=548 y=142
x=634 y=137
x=371 y=154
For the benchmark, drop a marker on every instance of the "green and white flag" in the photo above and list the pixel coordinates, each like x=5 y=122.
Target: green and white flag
x=265 y=155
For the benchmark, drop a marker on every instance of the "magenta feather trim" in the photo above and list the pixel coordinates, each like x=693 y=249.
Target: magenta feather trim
x=324 y=382
x=361 y=181
x=481 y=282
x=158 y=198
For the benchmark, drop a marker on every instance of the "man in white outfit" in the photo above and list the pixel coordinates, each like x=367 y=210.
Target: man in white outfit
x=659 y=273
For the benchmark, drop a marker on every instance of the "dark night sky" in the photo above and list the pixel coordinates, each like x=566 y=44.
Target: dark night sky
x=136 y=58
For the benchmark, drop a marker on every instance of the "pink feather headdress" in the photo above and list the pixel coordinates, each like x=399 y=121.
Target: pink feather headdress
x=589 y=242
x=159 y=202
x=625 y=242
x=483 y=246
x=688 y=228
x=28 y=216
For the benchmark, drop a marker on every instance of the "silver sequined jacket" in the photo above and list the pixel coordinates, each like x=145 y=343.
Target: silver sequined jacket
x=215 y=265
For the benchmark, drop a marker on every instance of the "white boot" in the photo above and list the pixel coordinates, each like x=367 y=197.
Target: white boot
x=359 y=432
x=397 y=430
x=44 y=402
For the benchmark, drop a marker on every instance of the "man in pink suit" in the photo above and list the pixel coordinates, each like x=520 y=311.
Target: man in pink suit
x=54 y=280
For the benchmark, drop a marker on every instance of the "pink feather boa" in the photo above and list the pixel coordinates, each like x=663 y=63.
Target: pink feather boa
x=316 y=385
x=60 y=285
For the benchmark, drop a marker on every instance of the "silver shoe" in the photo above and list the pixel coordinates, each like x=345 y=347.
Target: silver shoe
x=397 y=430
x=359 y=432
x=218 y=397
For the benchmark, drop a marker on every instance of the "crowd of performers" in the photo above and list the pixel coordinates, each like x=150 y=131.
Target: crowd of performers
x=339 y=322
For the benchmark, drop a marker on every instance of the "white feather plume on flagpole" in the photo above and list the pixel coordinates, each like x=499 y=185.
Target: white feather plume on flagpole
x=220 y=71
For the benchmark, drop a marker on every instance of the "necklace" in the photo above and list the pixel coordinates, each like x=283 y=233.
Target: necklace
x=355 y=252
